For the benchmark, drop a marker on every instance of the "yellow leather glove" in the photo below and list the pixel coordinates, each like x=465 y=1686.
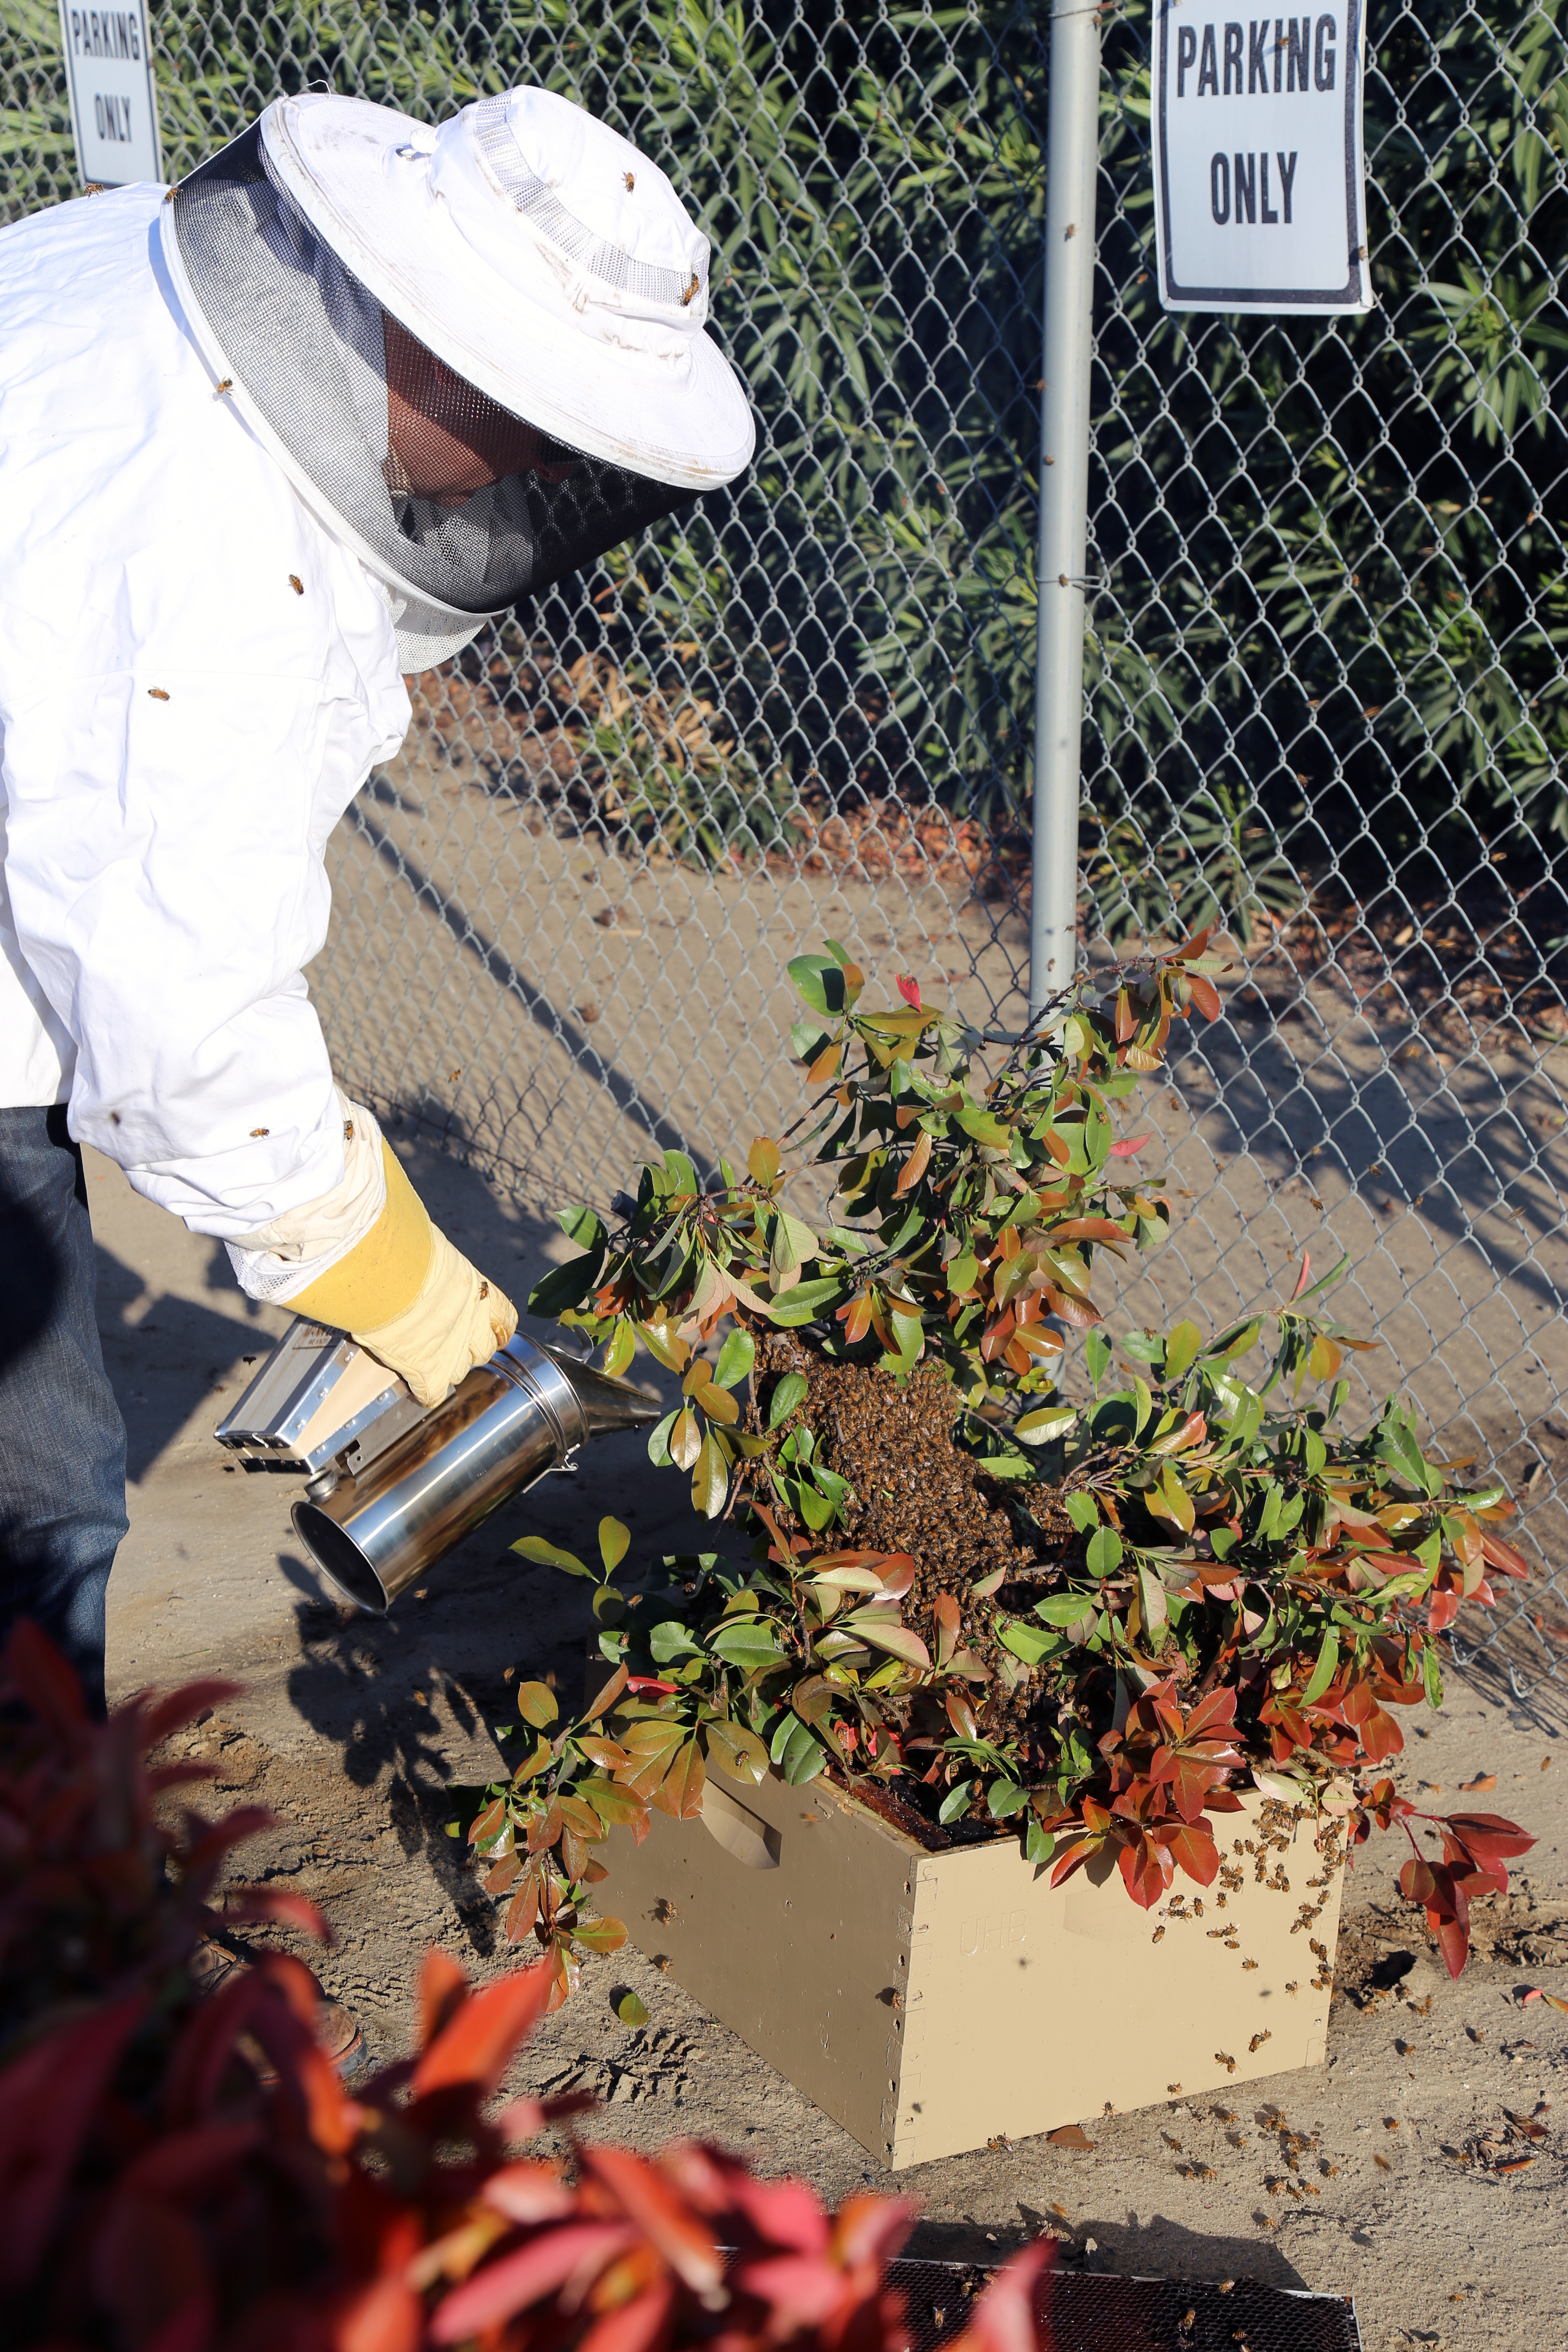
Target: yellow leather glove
x=405 y=1294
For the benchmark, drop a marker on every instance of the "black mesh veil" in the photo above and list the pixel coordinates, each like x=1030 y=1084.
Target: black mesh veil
x=310 y=345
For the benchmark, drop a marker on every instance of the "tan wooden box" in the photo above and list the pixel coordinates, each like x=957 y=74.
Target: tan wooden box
x=931 y=2001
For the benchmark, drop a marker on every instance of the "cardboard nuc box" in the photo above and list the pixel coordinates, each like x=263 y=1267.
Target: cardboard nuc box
x=931 y=2001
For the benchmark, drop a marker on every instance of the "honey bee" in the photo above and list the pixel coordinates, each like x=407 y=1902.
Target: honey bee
x=691 y=289
x=297 y=584
x=260 y=1130
x=157 y=694
x=630 y=181
x=227 y=385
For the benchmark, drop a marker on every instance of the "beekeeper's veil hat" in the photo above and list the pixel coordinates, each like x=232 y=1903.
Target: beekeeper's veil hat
x=521 y=283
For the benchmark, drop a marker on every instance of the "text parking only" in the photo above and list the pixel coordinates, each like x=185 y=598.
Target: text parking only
x=1259 y=202
x=114 y=113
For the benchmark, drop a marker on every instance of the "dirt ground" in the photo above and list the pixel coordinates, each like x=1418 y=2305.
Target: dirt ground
x=1423 y=2171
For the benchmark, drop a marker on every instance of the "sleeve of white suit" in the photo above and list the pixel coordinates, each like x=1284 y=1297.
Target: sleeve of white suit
x=164 y=841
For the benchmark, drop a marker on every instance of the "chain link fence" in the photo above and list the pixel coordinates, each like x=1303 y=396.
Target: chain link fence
x=1326 y=704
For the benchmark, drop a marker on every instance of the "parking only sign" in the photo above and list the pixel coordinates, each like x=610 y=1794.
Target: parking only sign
x=114 y=113
x=1258 y=195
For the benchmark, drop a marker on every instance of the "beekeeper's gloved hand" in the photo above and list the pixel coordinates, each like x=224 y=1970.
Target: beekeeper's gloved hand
x=405 y=1294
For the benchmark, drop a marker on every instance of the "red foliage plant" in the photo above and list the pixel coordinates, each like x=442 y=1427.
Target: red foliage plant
x=166 y=2192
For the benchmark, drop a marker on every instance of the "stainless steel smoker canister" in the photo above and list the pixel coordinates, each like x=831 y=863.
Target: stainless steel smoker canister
x=512 y=1419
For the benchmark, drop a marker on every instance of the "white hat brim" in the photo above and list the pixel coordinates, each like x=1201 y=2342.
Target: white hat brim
x=690 y=427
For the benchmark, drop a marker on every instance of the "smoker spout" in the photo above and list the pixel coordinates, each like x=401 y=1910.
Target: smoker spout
x=604 y=1403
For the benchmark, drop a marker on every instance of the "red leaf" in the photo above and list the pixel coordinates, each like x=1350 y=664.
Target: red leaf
x=1194 y=1850
x=501 y=2288
x=802 y=2292
x=1417 y=1883
x=908 y=988
x=782 y=2212
x=1146 y=1870
x=1453 y=1941
x=1206 y=995
x=1502 y=1556
x=636 y=2325
x=443 y=1988
x=1301 y=1277
x=869 y=2229
x=528 y=2191
x=1127 y=1146
x=475 y=2047
x=243 y=1903
x=1011 y=2313
x=160 y=1717
x=386 y=2316
x=48 y=2094
x=45 y=1679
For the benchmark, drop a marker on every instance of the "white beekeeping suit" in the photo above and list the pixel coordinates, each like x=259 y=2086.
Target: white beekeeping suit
x=216 y=558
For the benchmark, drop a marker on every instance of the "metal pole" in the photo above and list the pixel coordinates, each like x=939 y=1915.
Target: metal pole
x=1072 y=157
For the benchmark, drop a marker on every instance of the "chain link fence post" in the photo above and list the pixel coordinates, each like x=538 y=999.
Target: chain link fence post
x=1072 y=171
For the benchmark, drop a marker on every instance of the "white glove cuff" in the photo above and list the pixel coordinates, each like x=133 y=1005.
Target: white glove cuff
x=274 y=1260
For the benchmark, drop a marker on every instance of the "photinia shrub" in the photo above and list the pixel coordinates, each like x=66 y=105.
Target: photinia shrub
x=180 y=2175
x=1125 y=1606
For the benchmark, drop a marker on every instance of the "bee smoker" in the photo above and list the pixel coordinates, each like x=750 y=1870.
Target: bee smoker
x=394 y=1484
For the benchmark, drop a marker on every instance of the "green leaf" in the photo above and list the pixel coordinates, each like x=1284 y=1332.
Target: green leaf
x=1102 y=1553
x=565 y=1287
x=1065 y=1608
x=600 y=1934
x=1233 y=1343
x=1181 y=1348
x=658 y=1451
x=738 y=1752
x=963 y=1273
x=1039 y=1844
x=736 y=1358
x=1050 y=1421
x=549 y=1555
x=1004 y=1797
x=1097 y=1356
x=749 y=1643
x=820 y=982
x=670 y=1640
x=984 y=1128
x=536 y=1702
x=792 y=1390
x=1030 y=1643
x=583 y=1227
x=955 y=1802
x=630 y=2009
x=802 y=1304
x=1323 y=1672
x=614 y=1542
x=799 y=1757
x=1431 y=1675
x=1084 y=1512
x=680 y=1174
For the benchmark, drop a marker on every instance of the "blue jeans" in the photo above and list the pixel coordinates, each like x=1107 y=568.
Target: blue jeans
x=62 y=1441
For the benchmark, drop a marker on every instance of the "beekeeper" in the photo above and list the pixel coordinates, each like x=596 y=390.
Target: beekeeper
x=268 y=442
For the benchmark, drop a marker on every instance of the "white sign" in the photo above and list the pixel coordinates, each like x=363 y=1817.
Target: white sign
x=1258 y=198
x=114 y=114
